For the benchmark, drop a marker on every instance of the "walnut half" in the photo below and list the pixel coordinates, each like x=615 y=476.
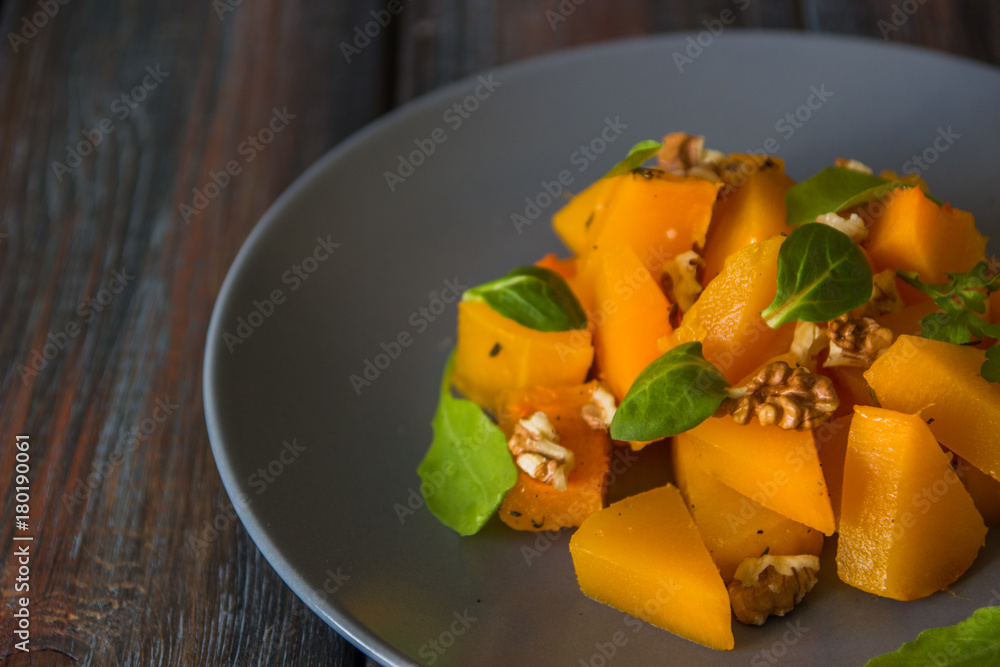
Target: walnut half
x=856 y=341
x=777 y=394
x=771 y=586
x=536 y=450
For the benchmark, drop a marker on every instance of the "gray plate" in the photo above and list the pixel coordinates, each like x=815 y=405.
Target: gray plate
x=333 y=513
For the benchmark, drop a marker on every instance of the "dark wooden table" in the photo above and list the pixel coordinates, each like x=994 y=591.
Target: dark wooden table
x=115 y=118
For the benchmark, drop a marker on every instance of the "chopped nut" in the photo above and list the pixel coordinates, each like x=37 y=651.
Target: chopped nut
x=853 y=226
x=848 y=163
x=685 y=155
x=856 y=341
x=536 y=449
x=792 y=399
x=680 y=279
x=771 y=586
x=808 y=342
x=600 y=411
x=885 y=296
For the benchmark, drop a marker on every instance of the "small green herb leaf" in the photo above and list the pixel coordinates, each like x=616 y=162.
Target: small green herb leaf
x=673 y=394
x=963 y=300
x=636 y=157
x=467 y=470
x=834 y=189
x=970 y=643
x=822 y=274
x=534 y=297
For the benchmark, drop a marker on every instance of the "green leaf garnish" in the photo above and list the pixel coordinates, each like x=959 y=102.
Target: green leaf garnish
x=972 y=642
x=673 y=394
x=534 y=297
x=822 y=274
x=636 y=157
x=467 y=470
x=834 y=189
x=963 y=300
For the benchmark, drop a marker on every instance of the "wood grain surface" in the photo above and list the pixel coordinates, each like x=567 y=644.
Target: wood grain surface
x=115 y=117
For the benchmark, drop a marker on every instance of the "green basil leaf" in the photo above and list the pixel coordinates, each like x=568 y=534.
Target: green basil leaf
x=963 y=300
x=532 y=296
x=468 y=470
x=991 y=367
x=673 y=394
x=822 y=274
x=969 y=643
x=834 y=189
x=636 y=157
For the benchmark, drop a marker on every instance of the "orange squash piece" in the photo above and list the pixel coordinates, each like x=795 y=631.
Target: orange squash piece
x=733 y=526
x=908 y=527
x=778 y=469
x=633 y=316
x=644 y=556
x=726 y=318
x=657 y=214
x=532 y=505
x=754 y=212
x=995 y=307
x=495 y=354
x=915 y=234
x=941 y=381
x=575 y=222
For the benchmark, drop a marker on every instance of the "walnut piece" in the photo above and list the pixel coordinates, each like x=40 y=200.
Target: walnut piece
x=771 y=586
x=885 y=297
x=852 y=164
x=792 y=399
x=600 y=411
x=853 y=226
x=536 y=450
x=680 y=279
x=685 y=155
x=856 y=341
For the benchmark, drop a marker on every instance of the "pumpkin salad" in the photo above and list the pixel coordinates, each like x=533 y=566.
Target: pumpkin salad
x=820 y=357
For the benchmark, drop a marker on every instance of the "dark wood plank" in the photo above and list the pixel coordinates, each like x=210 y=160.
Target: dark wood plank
x=115 y=575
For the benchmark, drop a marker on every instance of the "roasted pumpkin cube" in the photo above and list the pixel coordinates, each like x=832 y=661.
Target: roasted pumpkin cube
x=908 y=527
x=644 y=556
x=534 y=505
